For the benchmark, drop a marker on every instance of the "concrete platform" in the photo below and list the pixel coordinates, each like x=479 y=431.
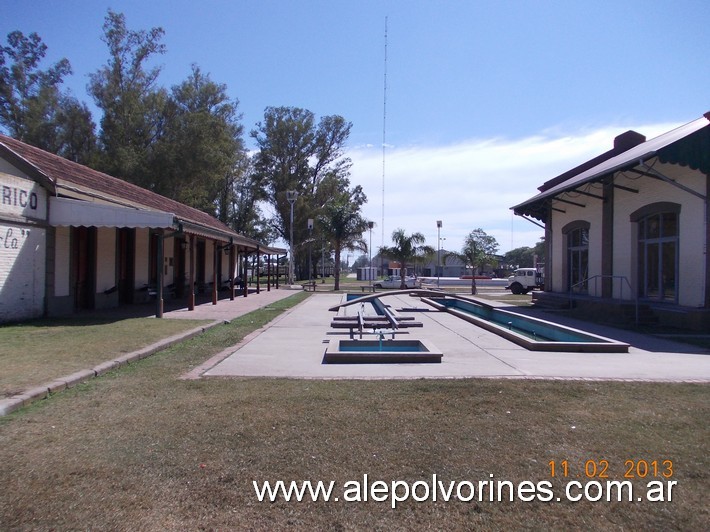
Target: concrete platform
x=293 y=345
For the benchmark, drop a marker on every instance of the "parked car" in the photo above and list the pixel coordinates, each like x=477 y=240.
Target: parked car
x=395 y=281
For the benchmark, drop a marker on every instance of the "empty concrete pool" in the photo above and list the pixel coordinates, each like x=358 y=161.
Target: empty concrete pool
x=381 y=352
x=532 y=333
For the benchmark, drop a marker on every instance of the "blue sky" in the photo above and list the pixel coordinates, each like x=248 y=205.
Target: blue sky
x=485 y=100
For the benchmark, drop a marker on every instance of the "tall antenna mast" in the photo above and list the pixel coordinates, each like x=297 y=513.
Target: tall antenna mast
x=384 y=141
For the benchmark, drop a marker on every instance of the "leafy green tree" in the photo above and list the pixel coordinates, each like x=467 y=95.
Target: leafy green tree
x=343 y=225
x=200 y=148
x=521 y=257
x=240 y=200
x=77 y=132
x=478 y=250
x=33 y=108
x=525 y=257
x=363 y=261
x=539 y=252
x=296 y=153
x=406 y=249
x=133 y=107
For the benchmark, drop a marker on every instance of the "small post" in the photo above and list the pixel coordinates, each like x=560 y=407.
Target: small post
x=215 y=258
x=258 y=270
x=231 y=272
x=161 y=266
x=438 y=256
x=191 y=296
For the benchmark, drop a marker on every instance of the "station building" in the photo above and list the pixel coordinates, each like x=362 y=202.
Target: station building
x=627 y=232
x=73 y=239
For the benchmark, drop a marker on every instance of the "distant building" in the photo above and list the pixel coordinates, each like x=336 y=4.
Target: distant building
x=72 y=238
x=630 y=227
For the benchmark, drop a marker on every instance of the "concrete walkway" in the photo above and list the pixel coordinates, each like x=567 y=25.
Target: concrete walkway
x=224 y=311
x=294 y=343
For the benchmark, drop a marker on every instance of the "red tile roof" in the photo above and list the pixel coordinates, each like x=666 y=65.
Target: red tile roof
x=67 y=174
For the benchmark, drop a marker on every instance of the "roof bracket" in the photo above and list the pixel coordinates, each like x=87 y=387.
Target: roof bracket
x=530 y=220
x=597 y=196
x=655 y=173
x=627 y=189
x=570 y=202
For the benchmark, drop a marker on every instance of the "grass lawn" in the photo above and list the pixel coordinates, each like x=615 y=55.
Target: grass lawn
x=141 y=449
x=39 y=351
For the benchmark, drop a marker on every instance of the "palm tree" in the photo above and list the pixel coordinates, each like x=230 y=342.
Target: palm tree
x=405 y=250
x=343 y=224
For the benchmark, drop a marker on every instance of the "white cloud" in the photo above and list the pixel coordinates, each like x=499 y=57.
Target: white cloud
x=473 y=183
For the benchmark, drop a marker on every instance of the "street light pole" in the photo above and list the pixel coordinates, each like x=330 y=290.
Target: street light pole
x=369 y=264
x=310 y=250
x=438 y=256
x=291 y=197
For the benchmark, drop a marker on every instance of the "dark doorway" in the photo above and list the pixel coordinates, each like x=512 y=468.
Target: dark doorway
x=153 y=260
x=200 y=266
x=83 y=243
x=179 y=253
x=126 y=264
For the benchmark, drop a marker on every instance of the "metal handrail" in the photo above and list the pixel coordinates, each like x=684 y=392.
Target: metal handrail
x=621 y=289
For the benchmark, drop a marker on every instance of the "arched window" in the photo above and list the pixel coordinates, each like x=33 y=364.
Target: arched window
x=577 y=234
x=658 y=251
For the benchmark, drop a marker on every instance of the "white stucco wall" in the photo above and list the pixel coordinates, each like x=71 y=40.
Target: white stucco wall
x=691 y=261
x=142 y=257
x=22 y=272
x=22 y=245
x=592 y=213
x=691 y=252
x=22 y=198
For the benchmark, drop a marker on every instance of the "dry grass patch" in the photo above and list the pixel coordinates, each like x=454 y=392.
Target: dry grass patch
x=39 y=351
x=140 y=449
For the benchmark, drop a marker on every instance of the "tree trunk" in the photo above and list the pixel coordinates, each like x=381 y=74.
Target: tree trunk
x=402 y=276
x=336 y=266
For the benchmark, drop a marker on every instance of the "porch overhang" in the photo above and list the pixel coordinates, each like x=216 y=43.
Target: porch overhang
x=685 y=145
x=71 y=212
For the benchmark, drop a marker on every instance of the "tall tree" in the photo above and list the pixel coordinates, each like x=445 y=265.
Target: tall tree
x=478 y=250
x=33 y=107
x=406 y=249
x=125 y=90
x=240 y=200
x=343 y=224
x=201 y=146
x=296 y=153
x=522 y=257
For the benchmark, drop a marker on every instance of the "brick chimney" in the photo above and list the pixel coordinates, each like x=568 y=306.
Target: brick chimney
x=622 y=143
